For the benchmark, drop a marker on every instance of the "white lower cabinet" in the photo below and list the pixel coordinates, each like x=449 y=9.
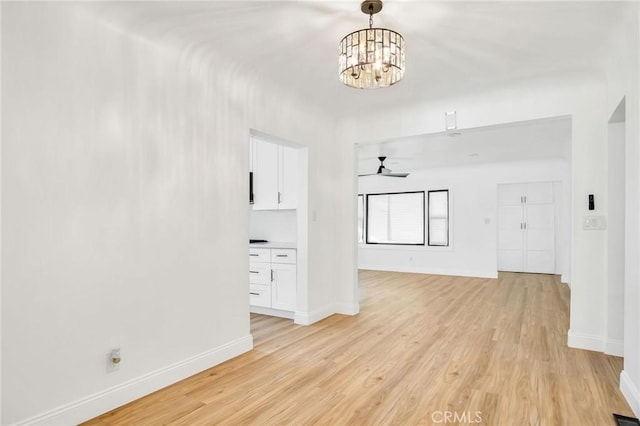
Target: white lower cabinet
x=283 y=287
x=260 y=295
x=272 y=280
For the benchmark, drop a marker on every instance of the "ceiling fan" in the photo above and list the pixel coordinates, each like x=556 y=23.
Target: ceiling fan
x=383 y=171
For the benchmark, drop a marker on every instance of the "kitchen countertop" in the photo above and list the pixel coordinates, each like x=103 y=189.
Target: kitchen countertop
x=273 y=244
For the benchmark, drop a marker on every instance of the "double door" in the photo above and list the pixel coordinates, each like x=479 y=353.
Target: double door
x=526 y=228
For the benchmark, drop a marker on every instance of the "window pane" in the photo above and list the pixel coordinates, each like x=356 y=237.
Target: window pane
x=439 y=218
x=395 y=218
x=438 y=206
x=377 y=218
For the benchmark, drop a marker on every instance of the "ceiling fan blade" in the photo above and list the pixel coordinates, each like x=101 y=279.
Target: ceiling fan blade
x=368 y=174
x=400 y=175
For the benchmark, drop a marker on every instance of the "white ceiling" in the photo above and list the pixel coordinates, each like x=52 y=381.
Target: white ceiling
x=453 y=47
x=533 y=140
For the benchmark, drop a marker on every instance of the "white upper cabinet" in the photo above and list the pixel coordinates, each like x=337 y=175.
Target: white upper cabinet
x=265 y=175
x=275 y=176
x=288 y=177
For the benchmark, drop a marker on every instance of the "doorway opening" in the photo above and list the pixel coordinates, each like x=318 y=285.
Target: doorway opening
x=278 y=228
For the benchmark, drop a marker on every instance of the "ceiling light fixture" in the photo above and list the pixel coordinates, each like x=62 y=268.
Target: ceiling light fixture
x=371 y=57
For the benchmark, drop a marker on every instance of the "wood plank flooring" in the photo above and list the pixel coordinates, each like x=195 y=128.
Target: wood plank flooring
x=425 y=349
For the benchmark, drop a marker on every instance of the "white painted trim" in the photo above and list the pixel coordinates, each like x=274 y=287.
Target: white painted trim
x=630 y=392
x=347 y=308
x=419 y=270
x=588 y=342
x=614 y=347
x=343 y=308
x=308 y=318
x=565 y=280
x=272 y=312
x=93 y=405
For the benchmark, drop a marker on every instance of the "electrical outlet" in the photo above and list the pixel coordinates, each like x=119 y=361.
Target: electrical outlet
x=114 y=359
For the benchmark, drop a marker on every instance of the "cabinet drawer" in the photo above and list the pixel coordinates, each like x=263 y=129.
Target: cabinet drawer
x=283 y=255
x=259 y=273
x=260 y=295
x=259 y=255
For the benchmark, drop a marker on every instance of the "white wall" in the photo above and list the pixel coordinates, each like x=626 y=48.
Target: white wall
x=273 y=225
x=622 y=72
x=124 y=210
x=473 y=217
x=590 y=100
x=616 y=238
x=578 y=95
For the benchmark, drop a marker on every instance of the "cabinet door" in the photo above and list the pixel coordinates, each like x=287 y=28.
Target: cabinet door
x=288 y=177
x=265 y=175
x=260 y=273
x=260 y=295
x=283 y=288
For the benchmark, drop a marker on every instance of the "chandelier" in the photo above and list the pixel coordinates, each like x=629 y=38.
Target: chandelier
x=371 y=57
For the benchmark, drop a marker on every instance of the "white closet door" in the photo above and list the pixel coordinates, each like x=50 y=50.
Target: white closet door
x=510 y=239
x=526 y=228
x=511 y=194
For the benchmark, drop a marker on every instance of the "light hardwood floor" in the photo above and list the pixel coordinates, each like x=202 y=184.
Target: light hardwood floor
x=424 y=349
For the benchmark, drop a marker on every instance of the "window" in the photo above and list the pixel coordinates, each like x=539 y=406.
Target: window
x=360 y=218
x=396 y=218
x=439 y=218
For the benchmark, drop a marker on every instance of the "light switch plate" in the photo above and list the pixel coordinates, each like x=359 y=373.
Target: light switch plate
x=450 y=120
x=593 y=223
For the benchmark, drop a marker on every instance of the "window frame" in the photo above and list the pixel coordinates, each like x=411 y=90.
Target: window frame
x=448 y=244
x=366 y=218
x=361 y=201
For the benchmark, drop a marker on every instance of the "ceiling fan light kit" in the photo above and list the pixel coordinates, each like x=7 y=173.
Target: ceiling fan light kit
x=371 y=58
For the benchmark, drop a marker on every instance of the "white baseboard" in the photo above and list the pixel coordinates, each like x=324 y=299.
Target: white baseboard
x=101 y=402
x=432 y=271
x=614 y=347
x=272 y=312
x=308 y=318
x=630 y=392
x=346 y=308
x=589 y=342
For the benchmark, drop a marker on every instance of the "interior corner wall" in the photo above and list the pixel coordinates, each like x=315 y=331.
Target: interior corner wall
x=580 y=96
x=124 y=210
x=473 y=217
x=622 y=73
